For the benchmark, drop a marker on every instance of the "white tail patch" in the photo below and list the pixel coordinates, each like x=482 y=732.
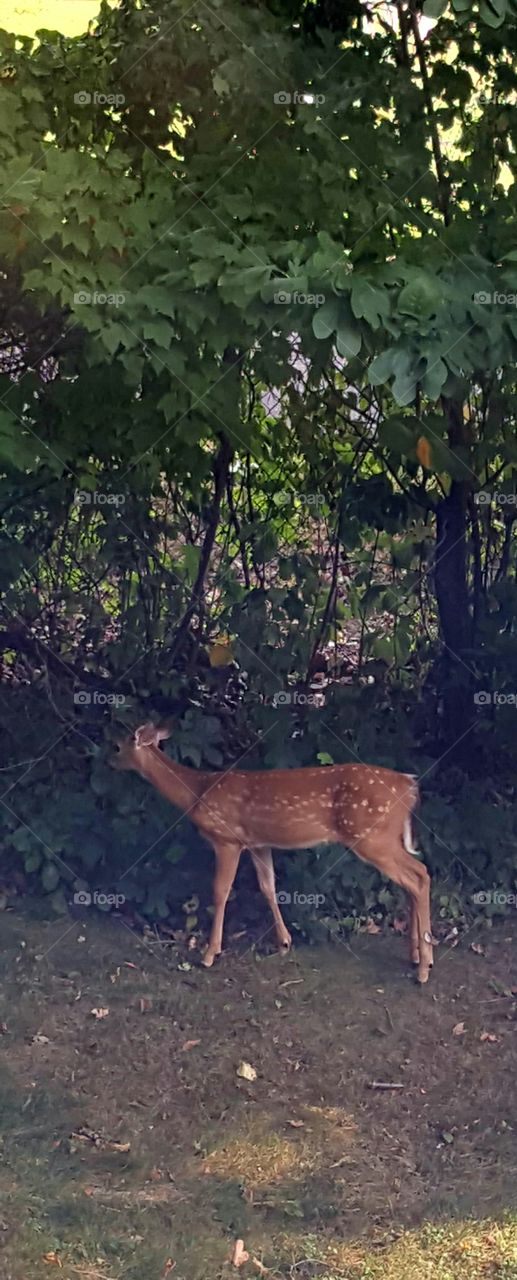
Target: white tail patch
x=408 y=838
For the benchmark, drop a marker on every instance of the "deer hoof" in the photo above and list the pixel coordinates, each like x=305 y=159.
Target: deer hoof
x=208 y=959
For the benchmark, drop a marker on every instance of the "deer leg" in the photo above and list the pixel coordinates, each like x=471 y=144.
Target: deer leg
x=263 y=862
x=393 y=861
x=414 y=878
x=226 y=862
x=413 y=933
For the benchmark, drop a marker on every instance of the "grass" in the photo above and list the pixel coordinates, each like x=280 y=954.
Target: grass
x=320 y=1175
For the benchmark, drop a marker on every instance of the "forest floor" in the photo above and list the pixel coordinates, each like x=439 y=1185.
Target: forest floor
x=132 y=1148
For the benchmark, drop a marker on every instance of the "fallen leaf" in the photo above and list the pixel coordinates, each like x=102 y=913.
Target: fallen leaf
x=296 y=1124
x=52 y=1258
x=371 y=926
x=99 y=1013
x=246 y=1071
x=185 y=966
x=478 y=948
x=459 y=1029
x=169 y=1266
x=189 y=1044
x=239 y=1254
x=487 y=1035
x=448 y=1137
x=40 y=1040
x=129 y=965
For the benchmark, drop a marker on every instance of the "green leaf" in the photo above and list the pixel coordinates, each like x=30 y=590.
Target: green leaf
x=348 y=339
x=369 y=302
x=381 y=367
x=434 y=379
x=325 y=319
x=159 y=331
x=420 y=298
x=435 y=8
x=396 y=436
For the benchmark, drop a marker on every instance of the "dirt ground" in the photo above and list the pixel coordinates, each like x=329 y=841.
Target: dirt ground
x=136 y=1050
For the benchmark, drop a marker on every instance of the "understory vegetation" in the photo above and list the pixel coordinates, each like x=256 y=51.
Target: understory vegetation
x=258 y=448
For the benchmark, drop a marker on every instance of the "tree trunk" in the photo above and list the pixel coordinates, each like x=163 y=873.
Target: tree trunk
x=450 y=578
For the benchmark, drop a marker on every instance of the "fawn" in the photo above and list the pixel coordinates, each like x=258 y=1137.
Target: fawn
x=367 y=809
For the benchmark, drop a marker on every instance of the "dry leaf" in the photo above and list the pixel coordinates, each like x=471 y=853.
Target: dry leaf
x=239 y=1254
x=478 y=948
x=52 y=1258
x=423 y=452
x=99 y=1013
x=189 y=1044
x=487 y=1035
x=40 y=1040
x=459 y=1029
x=220 y=653
x=246 y=1071
x=169 y=1266
x=296 y=1124
x=371 y=926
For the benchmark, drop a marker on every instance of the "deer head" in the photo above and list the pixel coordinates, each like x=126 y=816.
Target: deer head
x=129 y=750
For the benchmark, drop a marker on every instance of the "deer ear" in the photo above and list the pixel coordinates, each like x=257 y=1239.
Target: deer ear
x=148 y=735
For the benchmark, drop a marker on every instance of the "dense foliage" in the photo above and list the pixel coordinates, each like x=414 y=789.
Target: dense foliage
x=257 y=420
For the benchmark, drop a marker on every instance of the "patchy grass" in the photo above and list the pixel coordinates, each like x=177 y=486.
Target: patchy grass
x=321 y=1176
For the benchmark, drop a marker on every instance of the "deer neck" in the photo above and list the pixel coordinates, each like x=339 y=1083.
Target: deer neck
x=182 y=787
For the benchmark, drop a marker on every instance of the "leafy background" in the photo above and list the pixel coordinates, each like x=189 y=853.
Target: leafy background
x=257 y=427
